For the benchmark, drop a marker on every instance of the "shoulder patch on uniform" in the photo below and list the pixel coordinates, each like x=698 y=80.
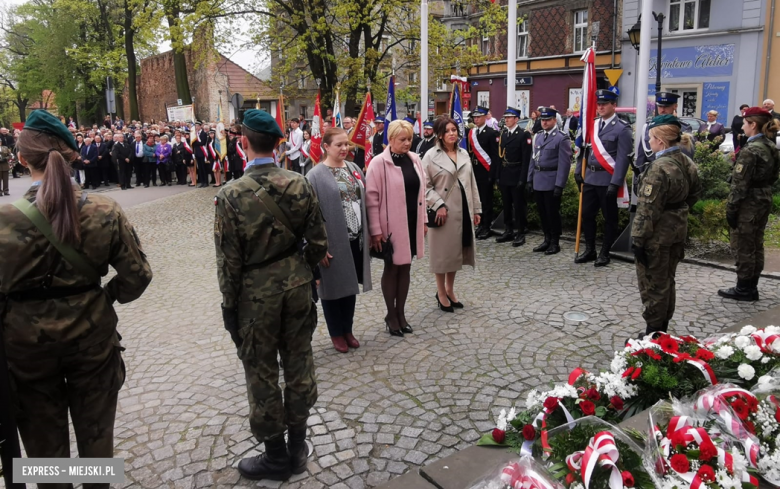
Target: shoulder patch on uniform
x=648 y=190
x=739 y=168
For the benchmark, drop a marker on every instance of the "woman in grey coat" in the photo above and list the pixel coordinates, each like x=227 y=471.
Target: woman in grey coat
x=339 y=185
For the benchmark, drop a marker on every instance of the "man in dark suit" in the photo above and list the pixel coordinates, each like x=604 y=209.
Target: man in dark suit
x=427 y=142
x=89 y=157
x=103 y=161
x=377 y=144
x=570 y=124
x=121 y=156
x=199 y=147
x=737 y=133
x=137 y=157
x=483 y=149
x=769 y=105
x=514 y=152
x=613 y=140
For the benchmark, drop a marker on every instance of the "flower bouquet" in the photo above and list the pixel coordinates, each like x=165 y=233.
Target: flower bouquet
x=524 y=473
x=766 y=423
x=686 y=450
x=593 y=454
x=741 y=358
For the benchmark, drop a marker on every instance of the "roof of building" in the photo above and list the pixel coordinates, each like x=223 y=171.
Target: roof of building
x=243 y=82
x=45 y=102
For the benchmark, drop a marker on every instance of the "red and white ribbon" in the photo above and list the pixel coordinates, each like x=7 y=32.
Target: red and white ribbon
x=765 y=340
x=476 y=148
x=602 y=451
x=716 y=403
x=608 y=163
x=241 y=154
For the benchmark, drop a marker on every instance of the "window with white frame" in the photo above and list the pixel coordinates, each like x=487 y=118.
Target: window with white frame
x=486 y=46
x=302 y=82
x=580 y=31
x=441 y=85
x=689 y=15
x=522 y=40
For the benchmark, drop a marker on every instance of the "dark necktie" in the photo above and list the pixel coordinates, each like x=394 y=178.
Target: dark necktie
x=601 y=126
x=545 y=135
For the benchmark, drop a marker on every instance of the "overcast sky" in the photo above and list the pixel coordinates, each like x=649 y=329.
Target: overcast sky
x=247 y=59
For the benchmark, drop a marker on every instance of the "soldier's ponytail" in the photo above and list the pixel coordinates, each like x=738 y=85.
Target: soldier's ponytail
x=56 y=200
x=765 y=124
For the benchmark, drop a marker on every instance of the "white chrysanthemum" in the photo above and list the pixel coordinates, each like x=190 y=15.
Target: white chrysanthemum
x=766 y=360
x=753 y=352
x=746 y=330
x=765 y=379
x=746 y=371
x=741 y=342
x=619 y=364
x=511 y=415
x=775 y=346
x=501 y=421
x=724 y=352
x=772 y=329
x=532 y=399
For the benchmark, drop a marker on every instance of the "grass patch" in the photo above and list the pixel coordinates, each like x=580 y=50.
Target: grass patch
x=772 y=236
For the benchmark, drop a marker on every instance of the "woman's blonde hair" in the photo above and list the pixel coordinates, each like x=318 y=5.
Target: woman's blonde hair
x=397 y=126
x=672 y=136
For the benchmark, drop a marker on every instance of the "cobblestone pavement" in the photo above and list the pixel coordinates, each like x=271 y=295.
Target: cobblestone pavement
x=393 y=404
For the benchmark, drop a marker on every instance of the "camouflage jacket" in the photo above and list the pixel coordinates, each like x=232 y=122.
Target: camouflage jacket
x=754 y=173
x=257 y=255
x=668 y=188
x=52 y=327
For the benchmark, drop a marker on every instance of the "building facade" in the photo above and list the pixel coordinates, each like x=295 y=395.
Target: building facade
x=712 y=55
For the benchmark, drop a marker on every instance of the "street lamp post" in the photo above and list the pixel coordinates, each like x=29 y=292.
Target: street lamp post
x=634 y=35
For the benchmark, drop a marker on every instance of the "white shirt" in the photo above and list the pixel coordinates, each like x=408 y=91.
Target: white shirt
x=139 y=148
x=295 y=144
x=511 y=131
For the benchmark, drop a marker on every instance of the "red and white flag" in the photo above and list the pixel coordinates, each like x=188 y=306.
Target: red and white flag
x=315 y=149
x=361 y=136
x=241 y=154
x=588 y=108
x=368 y=128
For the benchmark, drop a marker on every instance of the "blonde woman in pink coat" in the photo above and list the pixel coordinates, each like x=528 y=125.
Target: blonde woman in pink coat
x=395 y=201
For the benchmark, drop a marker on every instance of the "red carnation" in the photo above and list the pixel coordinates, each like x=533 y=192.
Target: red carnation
x=681 y=357
x=570 y=479
x=689 y=339
x=499 y=435
x=652 y=354
x=637 y=373
x=628 y=372
x=628 y=479
x=551 y=403
x=592 y=394
x=751 y=427
x=704 y=354
x=617 y=403
x=707 y=451
x=777 y=415
x=752 y=403
x=680 y=463
x=529 y=432
x=678 y=439
x=668 y=344
x=588 y=408
x=741 y=409
x=706 y=473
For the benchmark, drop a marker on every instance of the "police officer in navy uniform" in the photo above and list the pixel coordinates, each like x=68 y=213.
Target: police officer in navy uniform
x=547 y=175
x=667 y=105
x=427 y=142
x=377 y=144
x=600 y=188
x=486 y=163
x=514 y=152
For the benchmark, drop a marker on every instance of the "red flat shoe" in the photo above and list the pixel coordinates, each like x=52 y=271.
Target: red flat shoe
x=339 y=344
x=352 y=342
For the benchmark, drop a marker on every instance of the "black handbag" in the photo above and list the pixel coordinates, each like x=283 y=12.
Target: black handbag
x=386 y=252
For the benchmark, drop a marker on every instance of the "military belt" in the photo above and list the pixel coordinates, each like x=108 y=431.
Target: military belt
x=281 y=256
x=512 y=163
x=595 y=168
x=546 y=168
x=675 y=206
x=50 y=293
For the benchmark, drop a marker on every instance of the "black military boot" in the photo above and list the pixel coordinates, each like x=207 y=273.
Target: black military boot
x=508 y=236
x=545 y=244
x=755 y=285
x=519 y=239
x=603 y=259
x=744 y=291
x=296 y=446
x=273 y=465
x=555 y=246
x=588 y=255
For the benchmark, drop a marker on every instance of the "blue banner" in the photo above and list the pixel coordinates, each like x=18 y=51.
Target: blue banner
x=456 y=112
x=694 y=61
x=390 y=113
x=715 y=96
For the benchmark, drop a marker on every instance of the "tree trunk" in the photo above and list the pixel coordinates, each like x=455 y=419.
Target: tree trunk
x=131 y=66
x=21 y=104
x=179 y=65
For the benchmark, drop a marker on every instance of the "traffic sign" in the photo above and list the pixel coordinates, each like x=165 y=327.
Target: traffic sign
x=613 y=76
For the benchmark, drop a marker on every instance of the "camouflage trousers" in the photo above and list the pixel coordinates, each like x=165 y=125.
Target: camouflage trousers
x=282 y=324
x=656 y=284
x=86 y=384
x=747 y=241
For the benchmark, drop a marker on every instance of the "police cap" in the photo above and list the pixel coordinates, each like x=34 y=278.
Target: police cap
x=511 y=112
x=43 y=121
x=427 y=124
x=261 y=121
x=479 y=111
x=665 y=99
x=547 y=113
x=604 y=96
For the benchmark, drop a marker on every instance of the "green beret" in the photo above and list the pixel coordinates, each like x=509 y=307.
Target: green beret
x=261 y=121
x=43 y=121
x=665 y=120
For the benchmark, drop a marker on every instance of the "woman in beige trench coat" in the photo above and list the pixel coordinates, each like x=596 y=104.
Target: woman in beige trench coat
x=450 y=180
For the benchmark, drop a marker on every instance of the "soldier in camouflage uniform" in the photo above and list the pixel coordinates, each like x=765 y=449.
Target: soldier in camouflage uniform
x=58 y=323
x=267 y=305
x=750 y=201
x=5 y=167
x=669 y=186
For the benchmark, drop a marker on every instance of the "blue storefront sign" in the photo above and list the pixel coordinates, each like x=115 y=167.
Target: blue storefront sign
x=694 y=61
x=715 y=96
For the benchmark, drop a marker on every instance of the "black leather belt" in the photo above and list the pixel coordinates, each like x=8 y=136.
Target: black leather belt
x=546 y=168
x=512 y=163
x=281 y=256
x=596 y=168
x=42 y=294
x=675 y=206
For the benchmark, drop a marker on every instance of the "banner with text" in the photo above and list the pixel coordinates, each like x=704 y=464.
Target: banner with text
x=694 y=61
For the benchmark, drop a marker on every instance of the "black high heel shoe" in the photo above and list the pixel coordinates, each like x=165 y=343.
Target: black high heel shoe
x=456 y=305
x=443 y=307
x=394 y=332
x=407 y=329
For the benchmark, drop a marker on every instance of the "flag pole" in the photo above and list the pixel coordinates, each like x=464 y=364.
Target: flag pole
x=511 y=58
x=423 y=62
x=585 y=148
